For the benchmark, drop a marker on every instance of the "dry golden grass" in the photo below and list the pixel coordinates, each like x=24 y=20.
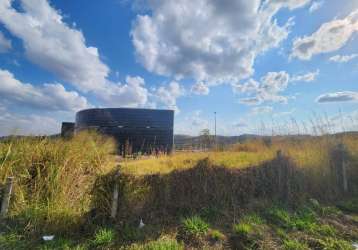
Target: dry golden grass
x=54 y=177
x=311 y=153
x=186 y=160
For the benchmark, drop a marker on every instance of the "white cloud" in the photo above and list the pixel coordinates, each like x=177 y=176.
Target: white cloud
x=168 y=95
x=331 y=36
x=200 y=88
x=268 y=90
x=270 y=87
x=61 y=49
x=5 y=44
x=53 y=45
x=208 y=40
x=192 y=124
x=343 y=96
x=261 y=110
x=27 y=125
x=343 y=58
x=130 y=94
x=308 y=77
x=47 y=97
x=316 y=5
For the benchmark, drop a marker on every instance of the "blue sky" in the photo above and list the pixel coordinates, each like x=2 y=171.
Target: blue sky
x=265 y=66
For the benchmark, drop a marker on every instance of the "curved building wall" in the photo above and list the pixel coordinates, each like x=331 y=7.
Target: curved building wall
x=135 y=130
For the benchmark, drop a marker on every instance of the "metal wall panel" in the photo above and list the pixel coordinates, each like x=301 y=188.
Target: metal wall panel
x=67 y=129
x=143 y=130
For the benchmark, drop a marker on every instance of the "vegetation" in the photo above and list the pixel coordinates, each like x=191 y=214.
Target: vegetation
x=245 y=197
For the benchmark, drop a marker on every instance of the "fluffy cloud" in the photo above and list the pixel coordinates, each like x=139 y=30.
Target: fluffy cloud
x=130 y=94
x=270 y=87
x=200 y=88
x=343 y=58
x=5 y=44
x=208 y=40
x=261 y=110
x=53 y=45
x=27 y=125
x=52 y=97
x=330 y=37
x=192 y=124
x=308 y=77
x=267 y=90
x=168 y=95
x=316 y=5
x=343 y=96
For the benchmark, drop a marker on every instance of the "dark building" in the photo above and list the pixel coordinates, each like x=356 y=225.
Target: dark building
x=67 y=129
x=135 y=130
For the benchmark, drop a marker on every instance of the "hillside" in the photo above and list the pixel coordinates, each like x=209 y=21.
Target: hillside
x=287 y=194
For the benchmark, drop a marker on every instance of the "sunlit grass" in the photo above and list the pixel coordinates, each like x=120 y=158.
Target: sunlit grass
x=186 y=160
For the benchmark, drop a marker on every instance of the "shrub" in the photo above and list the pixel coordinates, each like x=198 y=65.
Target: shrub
x=130 y=233
x=195 y=226
x=248 y=233
x=216 y=235
x=193 y=231
x=160 y=244
x=330 y=243
x=54 y=178
x=243 y=229
x=279 y=217
x=294 y=245
x=350 y=206
x=103 y=237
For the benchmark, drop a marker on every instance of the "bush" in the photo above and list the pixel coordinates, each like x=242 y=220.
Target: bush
x=104 y=237
x=216 y=235
x=160 y=244
x=195 y=226
x=279 y=217
x=193 y=231
x=54 y=178
x=248 y=233
x=294 y=245
x=330 y=243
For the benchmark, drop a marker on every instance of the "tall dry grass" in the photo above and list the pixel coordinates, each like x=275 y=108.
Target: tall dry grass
x=54 y=177
x=59 y=181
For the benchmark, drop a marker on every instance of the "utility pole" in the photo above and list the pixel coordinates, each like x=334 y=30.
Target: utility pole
x=215 y=131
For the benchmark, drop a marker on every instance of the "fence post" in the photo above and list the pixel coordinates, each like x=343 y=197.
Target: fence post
x=341 y=167
x=115 y=196
x=7 y=195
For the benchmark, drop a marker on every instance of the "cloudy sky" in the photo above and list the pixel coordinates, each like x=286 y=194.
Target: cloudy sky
x=262 y=65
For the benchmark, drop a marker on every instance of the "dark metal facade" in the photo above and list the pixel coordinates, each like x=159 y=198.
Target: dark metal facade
x=135 y=130
x=67 y=129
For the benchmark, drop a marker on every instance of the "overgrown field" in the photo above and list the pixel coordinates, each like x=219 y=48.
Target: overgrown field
x=246 y=197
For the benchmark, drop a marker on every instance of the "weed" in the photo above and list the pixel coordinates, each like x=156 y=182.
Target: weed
x=216 y=235
x=210 y=213
x=195 y=226
x=294 y=245
x=130 y=233
x=243 y=230
x=350 y=206
x=61 y=244
x=330 y=243
x=12 y=240
x=279 y=217
x=104 y=237
x=160 y=244
x=193 y=231
x=248 y=232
